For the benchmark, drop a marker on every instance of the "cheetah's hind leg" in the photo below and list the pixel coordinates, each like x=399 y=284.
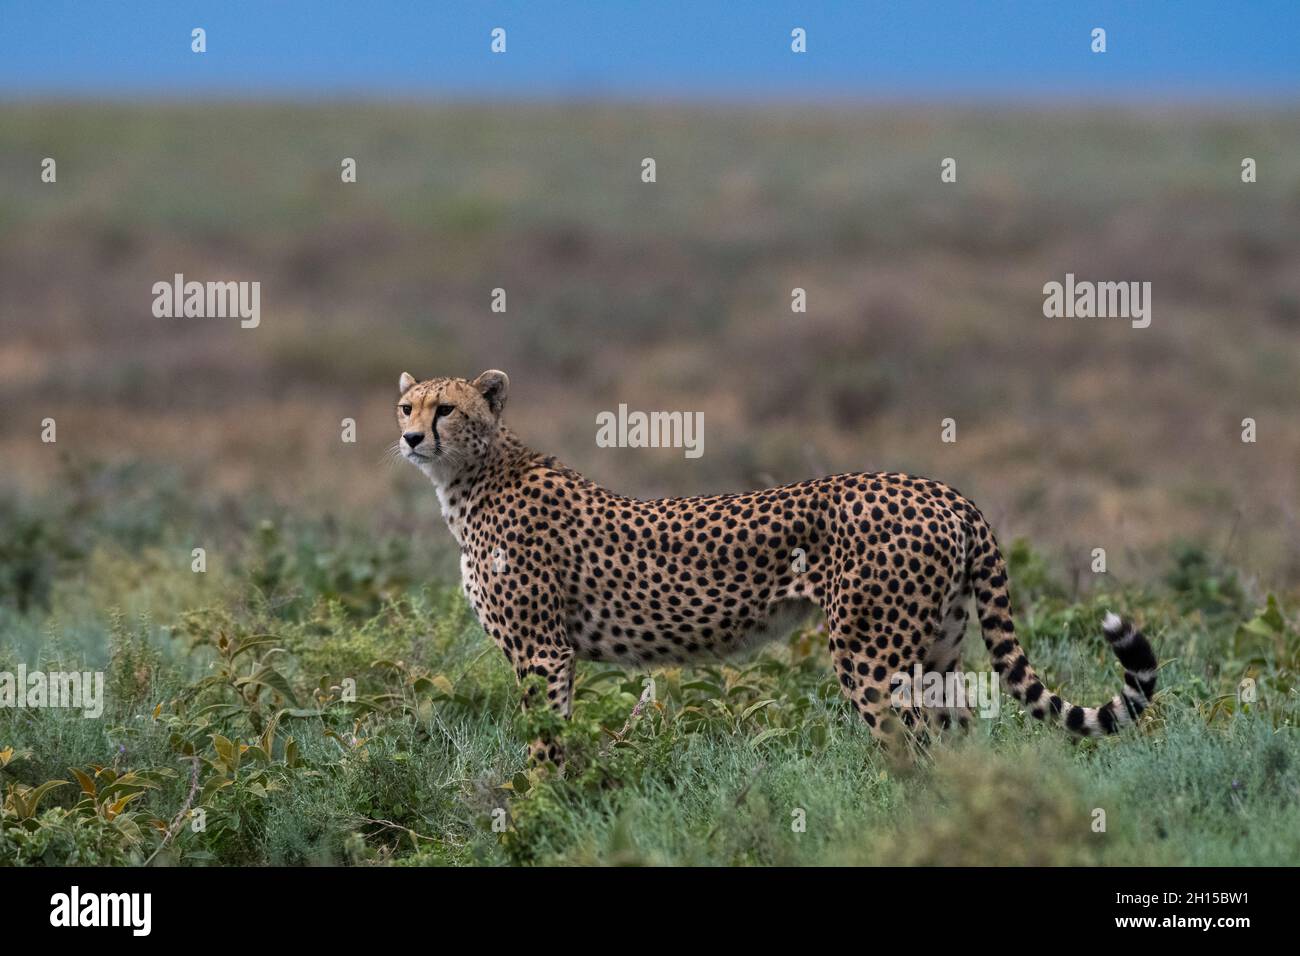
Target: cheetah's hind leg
x=866 y=680
x=944 y=658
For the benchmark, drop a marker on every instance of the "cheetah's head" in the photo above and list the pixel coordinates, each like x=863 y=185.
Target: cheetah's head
x=449 y=423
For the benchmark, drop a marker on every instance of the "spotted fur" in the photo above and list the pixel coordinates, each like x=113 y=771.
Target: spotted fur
x=558 y=568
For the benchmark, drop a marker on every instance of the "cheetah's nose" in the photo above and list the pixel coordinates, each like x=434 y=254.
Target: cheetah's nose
x=414 y=438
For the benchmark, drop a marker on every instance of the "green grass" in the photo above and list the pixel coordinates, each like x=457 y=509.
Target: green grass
x=923 y=304
x=756 y=762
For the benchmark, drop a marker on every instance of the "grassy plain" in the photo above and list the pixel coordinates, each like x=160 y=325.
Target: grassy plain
x=325 y=564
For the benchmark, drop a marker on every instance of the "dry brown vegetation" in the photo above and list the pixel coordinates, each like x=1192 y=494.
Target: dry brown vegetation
x=924 y=302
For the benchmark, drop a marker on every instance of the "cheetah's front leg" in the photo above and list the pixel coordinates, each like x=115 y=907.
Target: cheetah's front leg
x=554 y=664
x=519 y=605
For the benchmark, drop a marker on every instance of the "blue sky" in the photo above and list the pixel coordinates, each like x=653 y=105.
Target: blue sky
x=871 y=49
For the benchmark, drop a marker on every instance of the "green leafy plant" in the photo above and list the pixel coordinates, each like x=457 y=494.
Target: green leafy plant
x=246 y=680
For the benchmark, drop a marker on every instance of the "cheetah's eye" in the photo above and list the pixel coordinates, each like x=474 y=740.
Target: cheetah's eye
x=444 y=410
x=406 y=409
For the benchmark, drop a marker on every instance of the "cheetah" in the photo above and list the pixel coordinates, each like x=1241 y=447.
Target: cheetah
x=558 y=569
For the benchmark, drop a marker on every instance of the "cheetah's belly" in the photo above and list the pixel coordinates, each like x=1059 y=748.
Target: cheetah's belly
x=683 y=636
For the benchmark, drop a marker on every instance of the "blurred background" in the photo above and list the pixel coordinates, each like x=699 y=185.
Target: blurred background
x=775 y=170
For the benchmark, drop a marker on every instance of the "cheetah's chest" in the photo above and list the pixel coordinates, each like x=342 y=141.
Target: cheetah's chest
x=467 y=576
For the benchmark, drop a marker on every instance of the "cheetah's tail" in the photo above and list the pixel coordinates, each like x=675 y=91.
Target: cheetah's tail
x=989 y=580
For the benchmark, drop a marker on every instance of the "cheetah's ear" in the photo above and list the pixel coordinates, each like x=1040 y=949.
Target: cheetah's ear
x=492 y=385
x=406 y=382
